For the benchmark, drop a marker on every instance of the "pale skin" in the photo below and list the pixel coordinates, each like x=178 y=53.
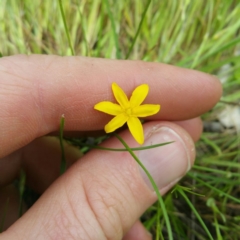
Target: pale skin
x=98 y=196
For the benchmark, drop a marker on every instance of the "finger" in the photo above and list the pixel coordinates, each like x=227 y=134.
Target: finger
x=103 y=194
x=137 y=232
x=36 y=90
x=9 y=168
x=193 y=126
x=41 y=159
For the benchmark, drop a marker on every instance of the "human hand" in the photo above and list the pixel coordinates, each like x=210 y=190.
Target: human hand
x=102 y=195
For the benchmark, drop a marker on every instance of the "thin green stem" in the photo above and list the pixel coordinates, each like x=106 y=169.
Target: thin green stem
x=155 y=187
x=22 y=182
x=63 y=159
x=124 y=149
x=65 y=26
x=218 y=232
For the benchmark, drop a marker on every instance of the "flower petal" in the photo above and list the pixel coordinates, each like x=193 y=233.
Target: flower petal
x=146 y=110
x=116 y=122
x=138 y=95
x=120 y=96
x=109 y=108
x=136 y=129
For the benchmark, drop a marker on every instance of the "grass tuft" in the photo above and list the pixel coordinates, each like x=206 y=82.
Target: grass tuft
x=203 y=35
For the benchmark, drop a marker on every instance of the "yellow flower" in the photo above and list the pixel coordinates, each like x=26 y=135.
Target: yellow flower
x=128 y=111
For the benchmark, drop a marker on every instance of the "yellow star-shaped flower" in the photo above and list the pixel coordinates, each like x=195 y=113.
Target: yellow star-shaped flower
x=128 y=111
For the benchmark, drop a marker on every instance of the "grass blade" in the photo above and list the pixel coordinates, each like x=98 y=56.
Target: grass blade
x=138 y=30
x=65 y=26
x=84 y=33
x=214 y=189
x=63 y=159
x=195 y=212
x=118 y=52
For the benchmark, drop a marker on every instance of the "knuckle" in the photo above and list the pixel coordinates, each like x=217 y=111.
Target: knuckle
x=113 y=200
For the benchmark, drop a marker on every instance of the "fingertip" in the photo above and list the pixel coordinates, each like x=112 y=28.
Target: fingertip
x=214 y=89
x=193 y=126
x=138 y=232
x=167 y=164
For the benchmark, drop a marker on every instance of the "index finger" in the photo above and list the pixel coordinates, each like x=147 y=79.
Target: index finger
x=36 y=90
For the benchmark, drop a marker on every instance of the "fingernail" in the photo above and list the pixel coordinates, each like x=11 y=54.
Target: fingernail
x=168 y=163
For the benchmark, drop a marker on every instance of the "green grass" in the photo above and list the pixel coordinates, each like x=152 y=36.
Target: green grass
x=203 y=35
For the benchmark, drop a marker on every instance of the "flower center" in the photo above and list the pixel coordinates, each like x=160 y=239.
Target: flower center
x=128 y=111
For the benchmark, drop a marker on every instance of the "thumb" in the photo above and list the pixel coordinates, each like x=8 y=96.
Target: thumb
x=104 y=193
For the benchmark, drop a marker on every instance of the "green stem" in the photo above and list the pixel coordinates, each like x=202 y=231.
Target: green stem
x=160 y=199
x=124 y=149
x=63 y=159
x=22 y=182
